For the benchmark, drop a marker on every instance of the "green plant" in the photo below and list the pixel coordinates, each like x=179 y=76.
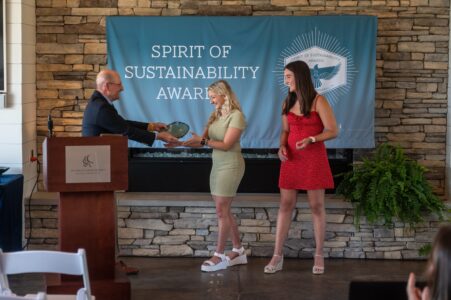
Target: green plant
x=425 y=250
x=389 y=185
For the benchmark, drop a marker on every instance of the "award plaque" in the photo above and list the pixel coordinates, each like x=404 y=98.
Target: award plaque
x=178 y=129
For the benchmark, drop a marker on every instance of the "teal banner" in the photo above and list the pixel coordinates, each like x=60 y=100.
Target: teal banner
x=167 y=63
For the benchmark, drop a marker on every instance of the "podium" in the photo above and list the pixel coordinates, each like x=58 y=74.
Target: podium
x=86 y=171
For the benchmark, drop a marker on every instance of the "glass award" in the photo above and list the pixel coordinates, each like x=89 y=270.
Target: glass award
x=178 y=129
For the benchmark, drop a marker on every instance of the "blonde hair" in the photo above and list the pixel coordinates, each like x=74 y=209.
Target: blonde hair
x=222 y=87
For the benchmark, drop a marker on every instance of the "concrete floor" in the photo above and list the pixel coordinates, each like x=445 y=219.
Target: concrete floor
x=181 y=278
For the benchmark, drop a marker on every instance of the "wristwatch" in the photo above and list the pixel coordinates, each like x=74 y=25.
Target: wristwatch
x=204 y=142
x=312 y=138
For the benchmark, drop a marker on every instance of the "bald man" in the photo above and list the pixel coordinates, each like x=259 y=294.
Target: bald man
x=102 y=117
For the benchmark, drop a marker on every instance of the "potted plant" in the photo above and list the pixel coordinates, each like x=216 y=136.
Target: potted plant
x=389 y=185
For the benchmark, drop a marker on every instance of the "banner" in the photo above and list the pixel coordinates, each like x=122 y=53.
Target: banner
x=167 y=63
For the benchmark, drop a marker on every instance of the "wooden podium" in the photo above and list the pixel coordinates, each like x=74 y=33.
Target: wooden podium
x=86 y=171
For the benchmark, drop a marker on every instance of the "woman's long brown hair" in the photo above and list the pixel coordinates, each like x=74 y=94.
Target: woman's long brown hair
x=305 y=92
x=439 y=266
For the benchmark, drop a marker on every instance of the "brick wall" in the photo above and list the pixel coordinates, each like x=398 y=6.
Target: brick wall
x=412 y=60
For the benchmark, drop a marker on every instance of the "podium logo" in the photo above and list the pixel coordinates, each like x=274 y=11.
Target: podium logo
x=331 y=64
x=87 y=163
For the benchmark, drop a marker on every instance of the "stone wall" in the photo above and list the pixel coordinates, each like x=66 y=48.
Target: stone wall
x=412 y=60
x=146 y=228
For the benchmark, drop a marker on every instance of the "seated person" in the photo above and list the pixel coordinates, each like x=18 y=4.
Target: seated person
x=438 y=270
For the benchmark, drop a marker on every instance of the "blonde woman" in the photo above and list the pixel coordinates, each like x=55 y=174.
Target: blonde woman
x=222 y=134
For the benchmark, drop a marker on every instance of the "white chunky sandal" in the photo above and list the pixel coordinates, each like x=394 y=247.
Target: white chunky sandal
x=209 y=266
x=241 y=259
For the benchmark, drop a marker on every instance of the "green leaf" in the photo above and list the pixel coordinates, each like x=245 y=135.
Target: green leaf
x=389 y=185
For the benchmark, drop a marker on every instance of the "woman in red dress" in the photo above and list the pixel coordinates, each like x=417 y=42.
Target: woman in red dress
x=307 y=121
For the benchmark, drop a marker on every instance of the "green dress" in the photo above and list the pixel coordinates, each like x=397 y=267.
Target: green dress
x=228 y=166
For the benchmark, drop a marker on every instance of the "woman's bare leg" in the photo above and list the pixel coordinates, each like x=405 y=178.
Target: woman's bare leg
x=287 y=204
x=316 y=202
x=224 y=224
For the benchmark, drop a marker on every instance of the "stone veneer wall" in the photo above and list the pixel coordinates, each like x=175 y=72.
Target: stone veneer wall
x=146 y=228
x=412 y=60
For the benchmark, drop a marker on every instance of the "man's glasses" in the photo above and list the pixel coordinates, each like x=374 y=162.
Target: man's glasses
x=118 y=84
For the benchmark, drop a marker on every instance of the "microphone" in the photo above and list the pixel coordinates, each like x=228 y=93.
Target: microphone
x=50 y=120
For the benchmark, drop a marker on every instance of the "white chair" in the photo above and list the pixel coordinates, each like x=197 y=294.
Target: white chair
x=38 y=296
x=45 y=262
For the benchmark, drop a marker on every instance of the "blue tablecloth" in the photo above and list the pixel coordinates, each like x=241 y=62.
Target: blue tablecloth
x=11 y=191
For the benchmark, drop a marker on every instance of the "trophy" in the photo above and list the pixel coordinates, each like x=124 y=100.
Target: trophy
x=178 y=129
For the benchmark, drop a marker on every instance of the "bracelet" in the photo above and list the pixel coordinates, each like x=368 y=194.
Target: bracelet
x=312 y=138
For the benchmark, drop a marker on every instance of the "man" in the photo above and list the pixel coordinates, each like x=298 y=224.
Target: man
x=102 y=117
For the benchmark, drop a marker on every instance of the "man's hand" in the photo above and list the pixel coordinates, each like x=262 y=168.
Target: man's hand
x=157 y=126
x=166 y=137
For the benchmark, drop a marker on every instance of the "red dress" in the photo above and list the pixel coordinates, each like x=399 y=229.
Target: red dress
x=306 y=169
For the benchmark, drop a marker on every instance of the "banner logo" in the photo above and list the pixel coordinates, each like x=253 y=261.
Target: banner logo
x=331 y=64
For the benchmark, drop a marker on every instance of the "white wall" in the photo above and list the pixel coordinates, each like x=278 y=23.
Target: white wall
x=18 y=118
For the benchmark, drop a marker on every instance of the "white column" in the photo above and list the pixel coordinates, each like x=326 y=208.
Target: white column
x=18 y=118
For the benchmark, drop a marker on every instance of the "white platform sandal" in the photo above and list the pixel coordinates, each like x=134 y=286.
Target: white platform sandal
x=241 y=259
x=209 y=266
